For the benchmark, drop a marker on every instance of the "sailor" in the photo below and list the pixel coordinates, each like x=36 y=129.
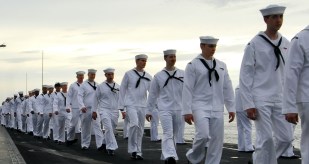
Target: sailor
x=260 y=87
x=207 y=88
x=23 y=114
x=18 y=102
x=166 y=92
x=295 y=94
x=6 y=112
x=41 y=105
x=59 y=108
x=33 y=105
x=72 y=107
x=85 y=98
x=133 y=96
x=244 y=126
x=29 y=120
x=13 y=123
x=106 y=105
x=47 y=112
x=54 y=118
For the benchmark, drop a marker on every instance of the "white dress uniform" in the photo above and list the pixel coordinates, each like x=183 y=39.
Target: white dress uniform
x=34 y=109
x=260 y=87
x=133 y=97
x=72 y=104
x=59 y=105
x=23 y=114
x=166 y=91
x=48 y=109
x=6 y=112
x=18 y=102
x=205 y=99
x=106 y=105
x=29 y=121
x=13 y=123
x=296 y=95
x=85 y=97
x=40 y=107
x=244 y=125
x=54 y=119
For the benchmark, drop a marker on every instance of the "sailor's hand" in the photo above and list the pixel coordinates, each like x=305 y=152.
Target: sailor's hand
x=68 y=110
x=94 y=115
x=123 y=115
x=148 y=117
x=252 y=113
x=231 y=116
x=189 y=118
x=292 y=118
x=84 y=109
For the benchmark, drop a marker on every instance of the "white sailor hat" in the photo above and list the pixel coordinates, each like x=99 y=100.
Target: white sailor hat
x=64 y=83
x=30 y=91
x=169 y=52
x=141 y=56
x=36 y=90
x=15 y=95
x=109 y=70
x=50 y=87
x=45 y=86
x=208 y=40
x=80 y=73
x=92 y=70
x=20 y=92
x=272 y=10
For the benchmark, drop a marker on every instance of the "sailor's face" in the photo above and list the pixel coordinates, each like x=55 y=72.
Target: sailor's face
x=109 y=76
x=80 y=77
x=91 y=76
x=170 y=60
x=208 y=49
x=274 y=21
x=141 y=63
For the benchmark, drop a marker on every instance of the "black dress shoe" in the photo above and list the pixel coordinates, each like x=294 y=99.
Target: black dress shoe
x=250 y=162
x=133 y=155
x=84 y=148
x=291 y=157
x=139 y=157
x=102 y=147
x=110 y=152
x=170 y=160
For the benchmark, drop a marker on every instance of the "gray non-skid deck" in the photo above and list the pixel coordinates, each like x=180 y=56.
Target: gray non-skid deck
x=37 y=151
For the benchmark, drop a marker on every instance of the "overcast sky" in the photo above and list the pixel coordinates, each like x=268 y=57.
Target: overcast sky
x=80 y=34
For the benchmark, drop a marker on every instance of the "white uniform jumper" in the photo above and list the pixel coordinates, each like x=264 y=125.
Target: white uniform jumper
x=244 y=125
x=133 y=97
x=296 y=95
x=206 y=91
x=260 y=86
x=166 y=91
x=23 y=114
x=55 y=122
x=86 y=97
x=13 y=123
x=72 y=104
x=106 y=105
x=33 y=108
x=40 y=106
x=48 y=109
x=59 y=105
x=18 y=102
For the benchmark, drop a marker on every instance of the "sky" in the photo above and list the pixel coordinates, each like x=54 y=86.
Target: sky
x=75 y=35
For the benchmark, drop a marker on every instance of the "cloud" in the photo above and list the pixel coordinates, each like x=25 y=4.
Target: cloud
x=19 y=60
x=31 y=52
